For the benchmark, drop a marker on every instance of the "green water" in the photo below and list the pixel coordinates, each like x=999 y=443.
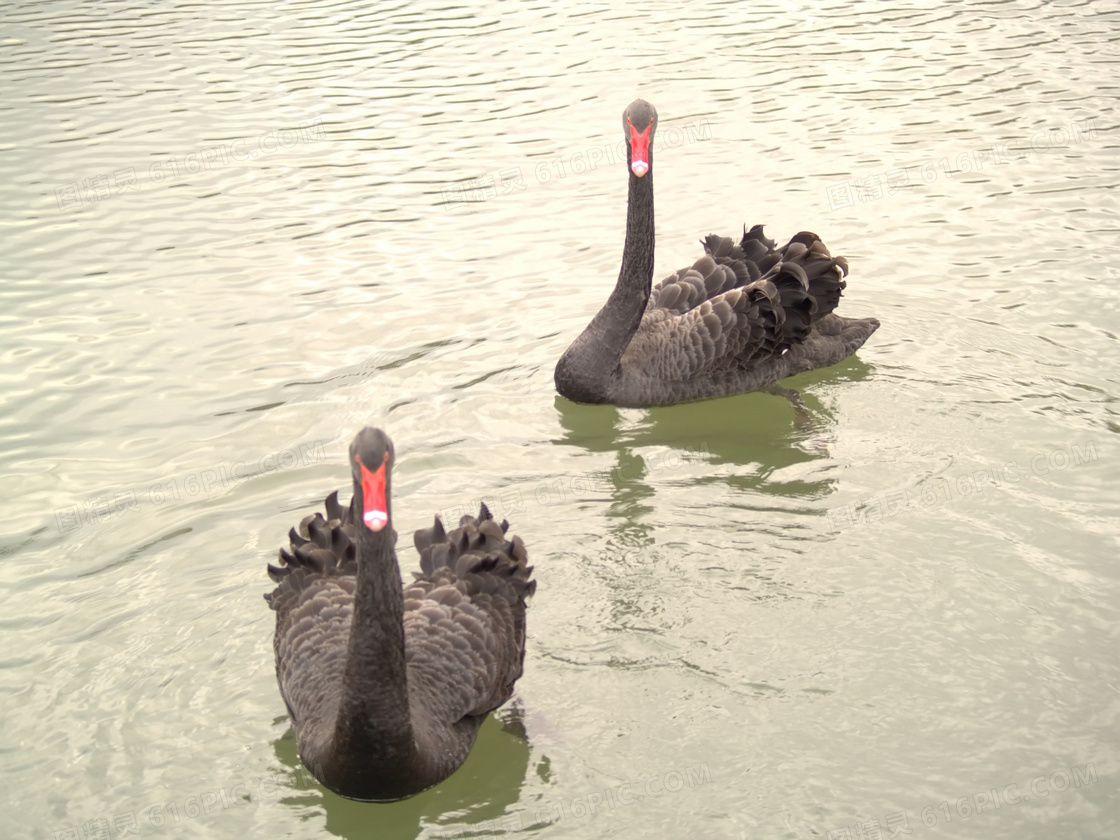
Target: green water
x=236 y=233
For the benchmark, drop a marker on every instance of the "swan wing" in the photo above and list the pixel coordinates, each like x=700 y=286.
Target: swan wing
x=464 y=618
x=735 y=307
x=314 y=601
x=724 y=266
x=735 y=329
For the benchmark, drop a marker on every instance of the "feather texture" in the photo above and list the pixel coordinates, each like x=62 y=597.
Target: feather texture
x=463 y=619
x=740 y=318
x=729 y=313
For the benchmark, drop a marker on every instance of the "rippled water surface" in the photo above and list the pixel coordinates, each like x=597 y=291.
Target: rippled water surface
x=235 y=232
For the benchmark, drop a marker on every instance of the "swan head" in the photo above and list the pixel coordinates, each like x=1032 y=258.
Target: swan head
x=639 y=123
x=371 y=460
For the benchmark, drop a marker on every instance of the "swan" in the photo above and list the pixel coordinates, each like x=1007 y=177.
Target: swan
x=386 y=685
x=740 y=318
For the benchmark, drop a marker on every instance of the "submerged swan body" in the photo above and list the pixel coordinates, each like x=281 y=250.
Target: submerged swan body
x=386 y=685
x=740 y=318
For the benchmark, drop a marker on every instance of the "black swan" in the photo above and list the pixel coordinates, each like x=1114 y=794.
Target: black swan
x=739 y=319
x=387 y=686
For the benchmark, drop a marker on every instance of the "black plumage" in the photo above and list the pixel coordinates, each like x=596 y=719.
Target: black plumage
x=387 y=685
x=739 y=318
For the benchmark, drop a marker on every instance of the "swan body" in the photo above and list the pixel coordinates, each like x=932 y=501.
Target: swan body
x=386 y=685
x=740 y=318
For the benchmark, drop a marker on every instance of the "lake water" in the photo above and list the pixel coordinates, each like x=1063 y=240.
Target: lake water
x=235 y=233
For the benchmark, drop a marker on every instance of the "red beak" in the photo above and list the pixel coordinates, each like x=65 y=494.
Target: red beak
x=639 y=150
x=374 y=509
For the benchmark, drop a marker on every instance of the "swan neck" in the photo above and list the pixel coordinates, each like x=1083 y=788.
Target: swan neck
x=636 y=275
x=374 y=722
x=586 y=368
x=611 y=330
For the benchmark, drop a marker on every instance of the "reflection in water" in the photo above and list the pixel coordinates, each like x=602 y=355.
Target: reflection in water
x=765 y=433
x=690 y=489
x=482 y=791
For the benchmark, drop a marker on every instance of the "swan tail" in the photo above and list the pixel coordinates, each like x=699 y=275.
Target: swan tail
x=824 y=274
x=808 y=278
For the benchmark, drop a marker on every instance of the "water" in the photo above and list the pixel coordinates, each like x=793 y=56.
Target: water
x=235 y=233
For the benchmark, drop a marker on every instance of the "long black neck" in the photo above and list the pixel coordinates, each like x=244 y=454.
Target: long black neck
x=631 y=292
x=598 y=350
x=373 y=733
